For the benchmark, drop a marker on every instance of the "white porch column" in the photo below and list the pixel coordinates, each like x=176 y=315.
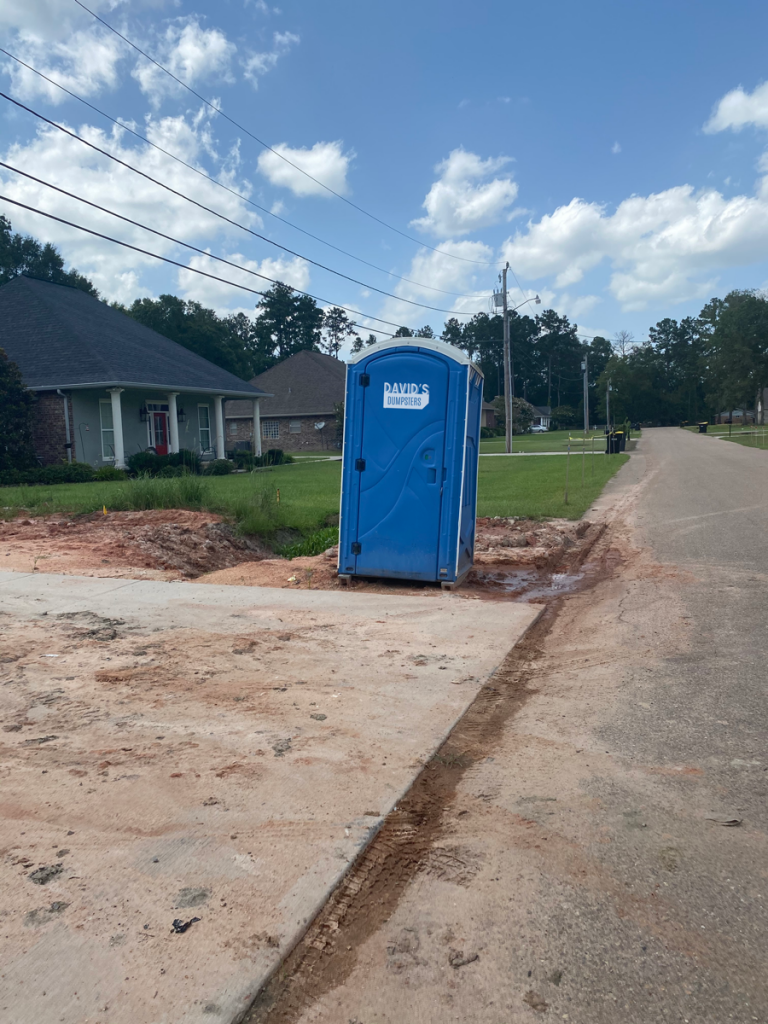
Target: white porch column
x=219 y=413
x=173 y=420
x=117 y=427
x=256 y=428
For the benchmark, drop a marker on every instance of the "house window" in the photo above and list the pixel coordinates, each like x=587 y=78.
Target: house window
x=204 y=420
x=270 y=430
x=232 y=427
x=294 y=427
x=107 y=430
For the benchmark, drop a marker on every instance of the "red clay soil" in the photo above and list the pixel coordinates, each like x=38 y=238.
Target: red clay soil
x=162 y=544
x=501 y=544
x=176 y=544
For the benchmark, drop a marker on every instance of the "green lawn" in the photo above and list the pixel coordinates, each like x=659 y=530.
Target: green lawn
x=309 y=493
x=757 y=439
x=552 y=441
x=536 y=487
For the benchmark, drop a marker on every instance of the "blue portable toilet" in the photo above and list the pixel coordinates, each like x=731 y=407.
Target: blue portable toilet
x=409 y=475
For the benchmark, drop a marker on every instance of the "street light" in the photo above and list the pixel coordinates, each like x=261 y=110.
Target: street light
x=509 y=378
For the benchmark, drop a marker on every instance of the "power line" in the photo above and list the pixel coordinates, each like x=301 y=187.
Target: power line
x=221 y=216
x=227 y=188
x=195 y=270
x=218 y=110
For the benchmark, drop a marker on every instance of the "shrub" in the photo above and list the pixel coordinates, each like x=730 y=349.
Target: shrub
x=144 y=464
x=60 y=473
x=109 y=473
x=243 y=460
x=187 y=460
x=275 y=457
x=272 y=457
x=219 y=467
x=149 y=464
x=16 y=450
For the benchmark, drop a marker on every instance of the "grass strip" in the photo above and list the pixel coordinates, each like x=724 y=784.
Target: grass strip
x=303 y=497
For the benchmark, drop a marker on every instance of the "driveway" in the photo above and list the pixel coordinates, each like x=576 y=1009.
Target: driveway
x=187 y=772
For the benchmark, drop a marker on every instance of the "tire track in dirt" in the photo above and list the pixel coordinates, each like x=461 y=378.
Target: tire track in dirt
x=406 y=842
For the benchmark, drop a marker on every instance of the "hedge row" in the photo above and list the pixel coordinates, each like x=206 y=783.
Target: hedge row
x=141 y=464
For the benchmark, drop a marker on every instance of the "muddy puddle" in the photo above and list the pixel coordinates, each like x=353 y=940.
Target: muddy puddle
x=523 y=584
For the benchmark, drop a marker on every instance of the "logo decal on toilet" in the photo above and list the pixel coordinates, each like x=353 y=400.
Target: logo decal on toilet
x=406 y=396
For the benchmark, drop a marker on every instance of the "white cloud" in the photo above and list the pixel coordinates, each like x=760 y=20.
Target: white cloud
x=194 y=54
x=665 y=247
x=56 y=158
x=616 y=148
x=48 y=19
x=259 y=64
x=225 y=299
x=86 y=62
x=574 y=306
x=62 y=41
x=325 y=161
x=457 y=204
x=738 y=108
x=441 y=270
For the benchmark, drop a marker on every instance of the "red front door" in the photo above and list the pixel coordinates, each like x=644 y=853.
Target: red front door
x=160 y=432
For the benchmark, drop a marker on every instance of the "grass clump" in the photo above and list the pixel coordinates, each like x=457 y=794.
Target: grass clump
x=146 y=492
x=315 y=544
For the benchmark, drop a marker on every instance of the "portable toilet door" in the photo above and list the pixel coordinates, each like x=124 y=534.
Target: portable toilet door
x=409 y=477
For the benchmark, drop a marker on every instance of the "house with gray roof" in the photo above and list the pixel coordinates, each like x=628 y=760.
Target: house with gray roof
x=106 y=385
x=300 y=414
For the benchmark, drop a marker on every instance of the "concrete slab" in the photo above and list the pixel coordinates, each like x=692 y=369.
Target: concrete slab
x=221 y=753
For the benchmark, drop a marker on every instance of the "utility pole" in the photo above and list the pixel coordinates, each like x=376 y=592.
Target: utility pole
x=507 y=387
x=585 y=368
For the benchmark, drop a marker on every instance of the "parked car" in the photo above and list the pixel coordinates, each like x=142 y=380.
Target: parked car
x=538 y=429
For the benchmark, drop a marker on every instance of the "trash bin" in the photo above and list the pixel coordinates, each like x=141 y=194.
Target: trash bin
x=613 y=446
x=703 y=427
x=621 y=439
x=409 y=466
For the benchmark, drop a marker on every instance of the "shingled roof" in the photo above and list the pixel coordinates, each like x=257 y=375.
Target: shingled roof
x=61 y=337
x=307 y=384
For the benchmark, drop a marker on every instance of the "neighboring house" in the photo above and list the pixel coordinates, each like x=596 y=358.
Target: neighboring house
x=300 y=415
x=488 y=415
x=542 y=416
x=106 y=385
x=736 y=416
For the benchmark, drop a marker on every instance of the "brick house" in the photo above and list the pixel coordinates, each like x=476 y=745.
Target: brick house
x=488 y=415
x=106 y=385
x=300 y=415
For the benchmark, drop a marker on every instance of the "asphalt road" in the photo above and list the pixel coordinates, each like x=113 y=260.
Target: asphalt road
x=579 y=873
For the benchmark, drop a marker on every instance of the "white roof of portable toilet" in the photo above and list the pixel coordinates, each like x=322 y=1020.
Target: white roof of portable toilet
x=434 y=343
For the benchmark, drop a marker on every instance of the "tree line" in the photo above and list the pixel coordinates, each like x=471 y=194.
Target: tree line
x=695 y=368
x=686 y=370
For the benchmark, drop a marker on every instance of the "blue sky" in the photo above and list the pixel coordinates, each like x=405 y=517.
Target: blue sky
x=614 y=154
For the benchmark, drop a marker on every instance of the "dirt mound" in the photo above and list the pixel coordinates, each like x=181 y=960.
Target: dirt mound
x=502 y=545
x=528 y=542
x=157 y=544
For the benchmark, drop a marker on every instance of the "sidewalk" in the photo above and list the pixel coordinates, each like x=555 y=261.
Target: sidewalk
x=216 y=753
